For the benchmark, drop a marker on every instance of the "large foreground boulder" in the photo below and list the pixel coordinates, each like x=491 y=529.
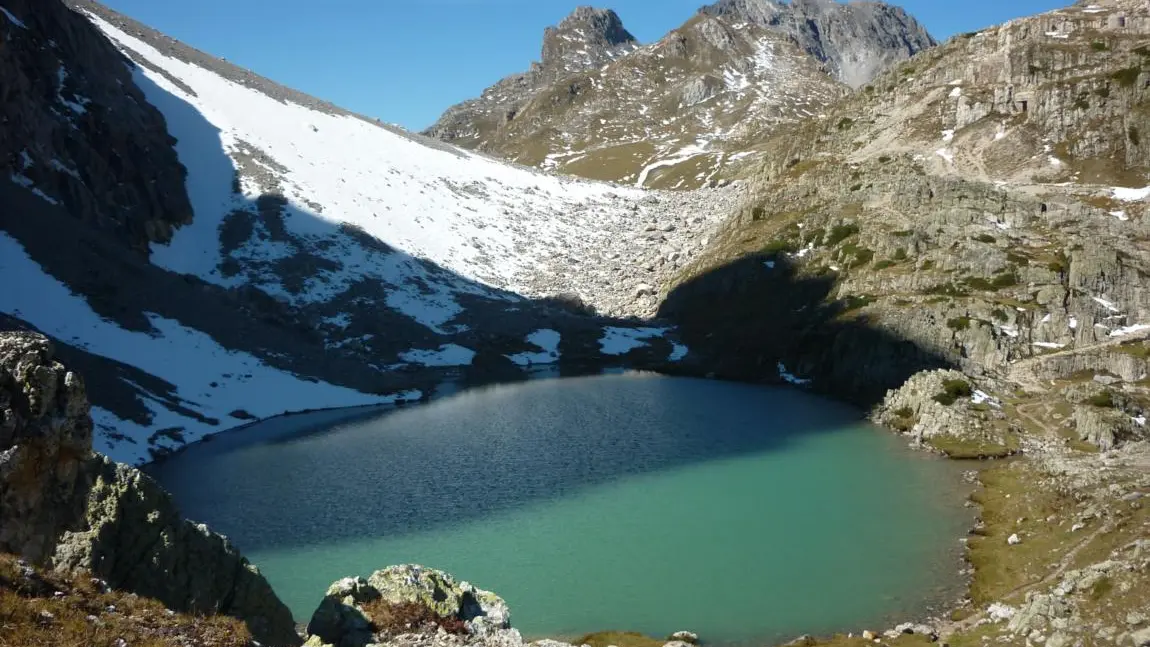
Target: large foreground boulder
x=65 y=506
x=409 y=600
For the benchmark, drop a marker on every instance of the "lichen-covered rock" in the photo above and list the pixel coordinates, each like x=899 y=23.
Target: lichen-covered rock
x=344 y=617
x=45 y=438
x=132 y=536
x=62 y=504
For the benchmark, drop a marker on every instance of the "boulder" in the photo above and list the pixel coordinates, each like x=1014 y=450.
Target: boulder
x=344 y=617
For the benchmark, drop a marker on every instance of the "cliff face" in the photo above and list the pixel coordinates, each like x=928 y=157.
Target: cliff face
x=62 y=505
x=79 y=133
x=857 y=40
x=983 y=200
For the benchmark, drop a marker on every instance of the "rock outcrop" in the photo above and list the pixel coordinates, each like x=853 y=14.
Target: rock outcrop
x=63 y=505
x=45 y=442
x=857 y=40
x=79 y=133
x=943 y=409
x=393 y=601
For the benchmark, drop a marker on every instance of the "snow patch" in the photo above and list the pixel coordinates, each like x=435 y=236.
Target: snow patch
x=15 y=21
x=27 y=183
x=446 y=355
x=1130 y=195
x=547 y=340
x=1109 y=305
x=982 y=397
x=1129 y=330
x=790 y=378
x=620 y=341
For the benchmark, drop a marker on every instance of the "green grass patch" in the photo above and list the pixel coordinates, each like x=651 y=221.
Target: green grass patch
x=839 y=233
x=1099 y=46
x=1017 y=259
x=970 y=449
x=619 y=639
x=1127 y=77
x=779 y=246
x=952 y=390
x=856 y=302
x=1104 y=400
x=946 y=289
x=986 y=238
x=1135 y=348
x=846 y=123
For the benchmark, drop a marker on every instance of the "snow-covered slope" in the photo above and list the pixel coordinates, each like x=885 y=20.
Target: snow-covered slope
x=214 y=382
x=326 y=260
x=498 y=225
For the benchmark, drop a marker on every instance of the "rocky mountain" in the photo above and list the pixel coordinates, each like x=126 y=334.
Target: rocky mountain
x=985 y=200
x=689 y=109
x=285 y=253
x=587 y=39
x=856 y=40
x=676 y=114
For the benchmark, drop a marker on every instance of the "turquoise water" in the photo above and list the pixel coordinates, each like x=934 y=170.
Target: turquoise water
x=624 y=502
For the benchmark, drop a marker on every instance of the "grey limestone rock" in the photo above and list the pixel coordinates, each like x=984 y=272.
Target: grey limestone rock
x=63 y=505
x=856 y=40
x=343 y=620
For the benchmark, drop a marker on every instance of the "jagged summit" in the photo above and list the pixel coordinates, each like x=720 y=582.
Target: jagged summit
x=586 y=39
x=856 y=40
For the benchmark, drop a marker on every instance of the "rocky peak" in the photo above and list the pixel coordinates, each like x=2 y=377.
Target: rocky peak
x=856 y=40
x=586 y=38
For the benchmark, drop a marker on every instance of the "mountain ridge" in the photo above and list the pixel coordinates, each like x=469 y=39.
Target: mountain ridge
x=622 y=117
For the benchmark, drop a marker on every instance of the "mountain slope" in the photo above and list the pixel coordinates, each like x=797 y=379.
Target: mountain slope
x=985 y=201
x=674 y=114
x=690 y=109
x=319 y=255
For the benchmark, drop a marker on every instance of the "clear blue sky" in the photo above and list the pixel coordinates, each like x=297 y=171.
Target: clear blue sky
x=405 y=61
